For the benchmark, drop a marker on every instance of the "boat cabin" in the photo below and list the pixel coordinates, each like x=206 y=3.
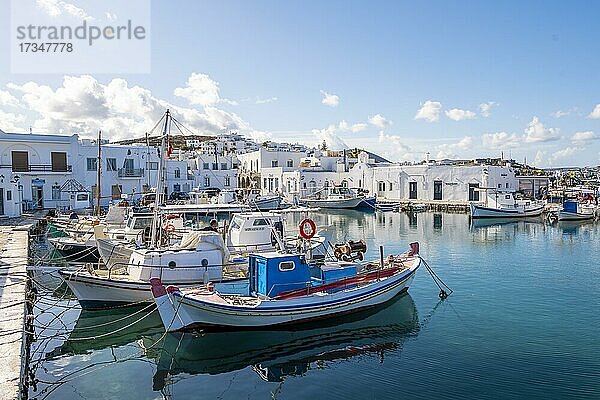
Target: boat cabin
x=271 y=274
x=254 y=231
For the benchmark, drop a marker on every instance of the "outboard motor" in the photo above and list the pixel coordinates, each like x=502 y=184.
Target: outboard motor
x=350 y=251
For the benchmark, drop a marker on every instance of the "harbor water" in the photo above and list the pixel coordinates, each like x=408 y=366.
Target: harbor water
x=523 y=322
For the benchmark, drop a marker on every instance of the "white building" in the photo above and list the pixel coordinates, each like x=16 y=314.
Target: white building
x=227 y=144
x=215 y=172
x=33 y=169
x=432 y=182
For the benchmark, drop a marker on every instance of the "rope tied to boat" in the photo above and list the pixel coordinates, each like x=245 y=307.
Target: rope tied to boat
x=445 y=290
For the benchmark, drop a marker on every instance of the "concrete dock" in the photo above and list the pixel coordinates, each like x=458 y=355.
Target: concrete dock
x=13 y=290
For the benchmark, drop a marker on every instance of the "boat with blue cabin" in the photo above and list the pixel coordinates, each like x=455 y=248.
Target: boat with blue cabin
x=288 y=288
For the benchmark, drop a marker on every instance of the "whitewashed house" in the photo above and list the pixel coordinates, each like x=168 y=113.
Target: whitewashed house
x=215 y=172
x=35 y=171
x=432 y=182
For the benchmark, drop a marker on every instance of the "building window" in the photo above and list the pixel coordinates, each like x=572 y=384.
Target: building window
x=274 y=163
x=234 y=166
x=206 y=181
x=92 y=164
x=437 y=190
x=186 y=187
x=412 y=190
x=290 y=163
x=153 y=165
x=8 y=195
x=20 y=161
x=223 y=165
x=473 y=191
x=391 y=186
x=205 y=165
x=176 y=187
x=265 y=183
x=227 y=181
x=215 y=166
x=111 y=164
x=381 y=186
x=177 y=173
x=507 y=185
x=55 y=192
x=59 y=161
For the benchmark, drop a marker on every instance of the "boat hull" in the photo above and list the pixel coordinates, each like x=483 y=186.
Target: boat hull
x=75 y=252
x=489 y=212
x=341 y=203
x=267 y=204
x=571 y=216
x=96 y=292
x=180 y=312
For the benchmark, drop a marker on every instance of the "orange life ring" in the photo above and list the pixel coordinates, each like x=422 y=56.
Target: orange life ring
x=307 y=228
x=170 y=228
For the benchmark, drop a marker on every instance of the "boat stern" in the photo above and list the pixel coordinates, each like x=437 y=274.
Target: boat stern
x=166 y=305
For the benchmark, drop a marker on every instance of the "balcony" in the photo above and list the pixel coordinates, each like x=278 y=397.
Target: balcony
x=39 y=168
x=130 y=172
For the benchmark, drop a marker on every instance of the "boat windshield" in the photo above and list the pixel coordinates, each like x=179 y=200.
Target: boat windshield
x=141 y=223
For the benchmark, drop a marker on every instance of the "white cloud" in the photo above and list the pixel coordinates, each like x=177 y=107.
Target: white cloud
x=55 y=8
x=354 y=128
x=7 y=99
x=562 y=154
x=459 y=115
x=451 y=150
x=83 y=105
x=559 y=114
x=485 y=109
x=586 y=136
x=595 y=114
x=379 y=121
x=111 y=16
x=260 y=136
x=429 y=111
x=331 y=100
x=330 y=137
x=200 y=89
x=394 y=148
x=265 y=101
x=500 y=140
x=10 y=122
x=537 y=132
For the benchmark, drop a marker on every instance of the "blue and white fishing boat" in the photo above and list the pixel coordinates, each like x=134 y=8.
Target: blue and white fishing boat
x=577 y=211
x=286 y=289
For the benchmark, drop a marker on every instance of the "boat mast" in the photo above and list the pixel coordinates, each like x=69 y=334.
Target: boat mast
x=98 y=168
x=147 y=163
x=160 y=184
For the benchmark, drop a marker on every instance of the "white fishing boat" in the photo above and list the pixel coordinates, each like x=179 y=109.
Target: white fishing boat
x=504 y=205
x=200 y=257
x=285 y=289
x=263 y=202
x=338 y=197
x=577 y=211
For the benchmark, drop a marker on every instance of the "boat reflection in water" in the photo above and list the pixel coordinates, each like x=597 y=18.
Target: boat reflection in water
x=275 y=354
x=101 y=329
x=485 y=222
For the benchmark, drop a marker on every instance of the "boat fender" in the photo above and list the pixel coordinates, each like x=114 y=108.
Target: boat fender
x=308 y=229
x=158 y=290
x=172 y=289
x=414 y=249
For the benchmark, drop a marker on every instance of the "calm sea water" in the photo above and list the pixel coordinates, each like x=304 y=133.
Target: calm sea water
x=523 y=322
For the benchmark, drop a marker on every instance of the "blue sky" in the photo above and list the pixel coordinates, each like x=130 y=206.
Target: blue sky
x=273 y=63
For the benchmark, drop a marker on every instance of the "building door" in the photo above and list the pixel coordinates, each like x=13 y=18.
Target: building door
x=473 y=191
x=128 y=166
x=1 y=201
x=116 y=191
x=412 y=190
x=437 y=190
x=37 y=195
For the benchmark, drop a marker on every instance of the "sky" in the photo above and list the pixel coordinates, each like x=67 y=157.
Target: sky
x=459 y=79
